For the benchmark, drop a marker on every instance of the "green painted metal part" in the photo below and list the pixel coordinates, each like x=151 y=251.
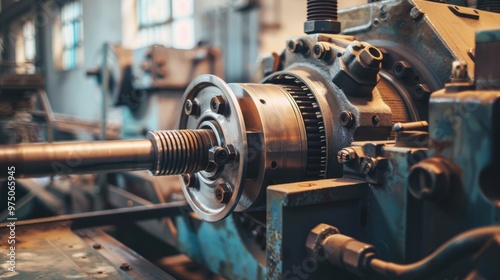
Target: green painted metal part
x=219 y=246
x=293 y=209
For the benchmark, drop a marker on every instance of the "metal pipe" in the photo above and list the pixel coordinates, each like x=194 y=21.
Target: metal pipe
x=461 y=246
x=164 y=153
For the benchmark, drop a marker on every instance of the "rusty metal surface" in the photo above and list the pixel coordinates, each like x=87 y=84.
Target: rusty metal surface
x=294 y=208
x=462 y=126
x=52 y=251
x=121 y=256
x=457 y=32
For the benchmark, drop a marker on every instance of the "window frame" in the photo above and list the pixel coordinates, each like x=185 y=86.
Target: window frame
x=167 y=24
x=29 y=39
x=75 y=24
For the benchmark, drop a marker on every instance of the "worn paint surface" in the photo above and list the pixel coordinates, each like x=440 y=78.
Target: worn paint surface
x=52 y=251
x=293 y=209
x=219 y=246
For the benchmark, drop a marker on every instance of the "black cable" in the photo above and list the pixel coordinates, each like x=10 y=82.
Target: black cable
x=457 y=248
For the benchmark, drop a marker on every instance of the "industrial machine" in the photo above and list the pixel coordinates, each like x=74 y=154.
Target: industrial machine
x=367 y=153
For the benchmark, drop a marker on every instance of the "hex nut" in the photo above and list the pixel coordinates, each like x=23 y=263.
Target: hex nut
x=346 y=119
x=322 y=26
x=371 y=57
x=218 y=104
x=221 y=155
x=191 y=107
x=189 y=180
x=223 y=193
x=422 y=91
x=294 y=45
x=321 y=50
x=346 y=155
x=316 y=237
x=401 y=68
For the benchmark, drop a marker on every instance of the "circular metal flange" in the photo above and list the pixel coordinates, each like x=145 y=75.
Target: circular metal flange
x=229 y=128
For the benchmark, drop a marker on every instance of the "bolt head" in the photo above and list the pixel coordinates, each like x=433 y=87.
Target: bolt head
x=223 y=193
x=422 y=91
x=346 y=119
x=321 y=50
x=371 y=57
x=415 y=13
x=346 y=155
x=191 y=107
x=459 y=71
x=218 y=104
x=294 y=45
x=189 y=180
x=221 y=155
x=400 y=69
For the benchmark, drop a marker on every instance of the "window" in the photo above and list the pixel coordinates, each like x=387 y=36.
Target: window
x=29 y=41
x=72 y=34
x=167 y=22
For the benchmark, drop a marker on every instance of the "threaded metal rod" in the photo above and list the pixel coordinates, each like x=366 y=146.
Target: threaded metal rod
x=322 y=17
x=164 y=153
x=321 y=10
x=181 y=151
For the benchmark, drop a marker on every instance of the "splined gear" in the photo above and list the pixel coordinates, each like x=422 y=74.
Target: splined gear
x=313 y=122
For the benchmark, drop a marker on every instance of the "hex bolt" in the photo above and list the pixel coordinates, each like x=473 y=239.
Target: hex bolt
x=189 y=180
x=401 y=68
x=191 y=107
x=346 y=155
x=125 y=266
x=223 y=193
x=459 y=71
x=416 y=14
x=295 y=45
x=221 y=155
x=346 y=119
x=320 y=50
x=371 y=57
x=422 y=91
x=218 y=104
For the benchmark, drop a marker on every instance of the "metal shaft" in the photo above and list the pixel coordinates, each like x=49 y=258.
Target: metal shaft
x=164 y=153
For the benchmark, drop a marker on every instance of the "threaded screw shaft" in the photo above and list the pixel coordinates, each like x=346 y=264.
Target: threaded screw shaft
x=180 y=151
x=321 y=10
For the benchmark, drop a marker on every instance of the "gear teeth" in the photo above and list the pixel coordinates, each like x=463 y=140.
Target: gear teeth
x=313 y=122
